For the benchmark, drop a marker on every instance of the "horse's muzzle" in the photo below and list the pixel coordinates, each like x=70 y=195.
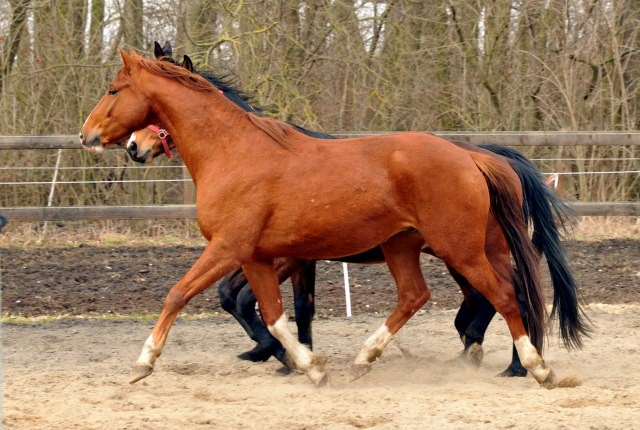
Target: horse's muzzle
x=132 y=149
x=92 y=143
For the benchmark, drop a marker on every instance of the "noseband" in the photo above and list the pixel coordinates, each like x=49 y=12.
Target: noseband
x=162 y=134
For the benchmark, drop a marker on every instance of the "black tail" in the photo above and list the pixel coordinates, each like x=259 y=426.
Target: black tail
x=541 y=208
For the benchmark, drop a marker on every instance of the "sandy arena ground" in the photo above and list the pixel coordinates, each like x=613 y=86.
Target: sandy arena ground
x=73 y=374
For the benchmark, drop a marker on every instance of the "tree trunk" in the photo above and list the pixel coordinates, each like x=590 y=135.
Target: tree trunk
x=132 y=20
x=12 y=42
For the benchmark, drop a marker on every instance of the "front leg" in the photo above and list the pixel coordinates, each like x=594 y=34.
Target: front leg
x=216 y=260
x=264 y=283
x=229 y=290
x=304 y=283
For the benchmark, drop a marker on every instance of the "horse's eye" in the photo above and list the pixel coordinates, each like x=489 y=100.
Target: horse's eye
x=112 y=92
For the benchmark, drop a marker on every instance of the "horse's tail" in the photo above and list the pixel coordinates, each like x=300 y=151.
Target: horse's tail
x=507 y=211
x=541 y=208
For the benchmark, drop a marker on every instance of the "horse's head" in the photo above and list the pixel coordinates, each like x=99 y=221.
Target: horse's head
x=122 y=109
x=145 y=144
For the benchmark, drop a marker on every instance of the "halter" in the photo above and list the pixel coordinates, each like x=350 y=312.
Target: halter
x=162 y=134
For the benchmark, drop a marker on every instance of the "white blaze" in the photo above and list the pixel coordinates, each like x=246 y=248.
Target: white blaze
x=131 y=140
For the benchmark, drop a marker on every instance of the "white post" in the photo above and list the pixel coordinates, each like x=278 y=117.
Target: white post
x=51 y=191
x=347 y=293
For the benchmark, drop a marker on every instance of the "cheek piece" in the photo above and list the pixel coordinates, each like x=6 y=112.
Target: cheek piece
x=162 y=134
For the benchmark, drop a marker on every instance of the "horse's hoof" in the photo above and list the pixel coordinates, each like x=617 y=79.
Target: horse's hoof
x=550 y=382
x=325 y=382
x=474 y=355
x=140 y=371
x=513 y=372
x=459 y=361
x=358 y=371
x=256 y=355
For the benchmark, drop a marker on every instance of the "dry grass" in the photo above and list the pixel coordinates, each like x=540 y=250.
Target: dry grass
x=107 y=233
x=165 y=232
x=611 y=227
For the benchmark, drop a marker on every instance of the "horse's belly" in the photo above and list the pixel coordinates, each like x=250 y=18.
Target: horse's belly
x=323 y=237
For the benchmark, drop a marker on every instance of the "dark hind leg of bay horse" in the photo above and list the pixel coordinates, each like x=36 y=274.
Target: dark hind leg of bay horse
x=267 y=345
x=472 y=321
x=228 y=290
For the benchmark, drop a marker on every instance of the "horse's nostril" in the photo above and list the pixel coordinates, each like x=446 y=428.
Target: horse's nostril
x=81 y=136
x=132 y=147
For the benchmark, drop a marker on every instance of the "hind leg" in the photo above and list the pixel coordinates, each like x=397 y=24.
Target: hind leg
x=229 y=289
x=267 y=344
x=479 y=272
x=402 y=253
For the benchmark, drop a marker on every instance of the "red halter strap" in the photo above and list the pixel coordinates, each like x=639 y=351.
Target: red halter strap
x=162 y=134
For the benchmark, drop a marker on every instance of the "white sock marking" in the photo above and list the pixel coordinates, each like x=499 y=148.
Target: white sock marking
x=374 y=346
x=150 y=352
x=300 y=354
x=531 y=360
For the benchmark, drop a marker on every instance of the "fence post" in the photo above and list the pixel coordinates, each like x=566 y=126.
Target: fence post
x=3 y=221
x=51 y=191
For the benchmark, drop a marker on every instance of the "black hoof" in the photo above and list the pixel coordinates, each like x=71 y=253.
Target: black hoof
x=513 y=372
x=256 y=355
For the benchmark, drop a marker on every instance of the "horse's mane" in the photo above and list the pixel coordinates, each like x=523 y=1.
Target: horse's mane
x=182 y=75
x=209 y=81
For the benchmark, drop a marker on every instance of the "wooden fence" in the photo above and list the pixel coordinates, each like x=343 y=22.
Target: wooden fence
x=189 y=211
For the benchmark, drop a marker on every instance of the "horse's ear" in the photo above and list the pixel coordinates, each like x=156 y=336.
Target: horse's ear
x=187 y=63
x=127 y=62
x=168 y=51
x=157 y=50
x=134 y=53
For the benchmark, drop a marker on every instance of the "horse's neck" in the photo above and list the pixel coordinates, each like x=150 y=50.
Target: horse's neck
x=200 y=127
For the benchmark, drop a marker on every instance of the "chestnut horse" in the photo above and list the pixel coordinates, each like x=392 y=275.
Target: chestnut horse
x=236 y=297
x=475 y=313
x=266 y=190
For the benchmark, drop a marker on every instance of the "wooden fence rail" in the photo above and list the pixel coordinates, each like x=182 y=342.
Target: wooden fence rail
x=80 y=213
x=506 y=138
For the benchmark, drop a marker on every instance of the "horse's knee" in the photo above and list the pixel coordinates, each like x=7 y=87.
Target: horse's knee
x=412 y=300
x=227 y=301
x=174 y=301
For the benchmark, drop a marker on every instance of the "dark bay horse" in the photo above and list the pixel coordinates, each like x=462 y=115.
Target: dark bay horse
x=266 y=190
x=236 y=297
